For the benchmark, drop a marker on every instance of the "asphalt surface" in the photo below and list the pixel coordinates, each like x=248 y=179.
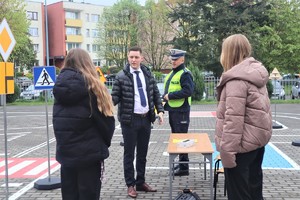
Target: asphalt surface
x=27 y=136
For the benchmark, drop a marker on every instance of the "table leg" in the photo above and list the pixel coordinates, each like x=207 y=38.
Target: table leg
x=211 y=175
x=204 y=167
x=171 y=160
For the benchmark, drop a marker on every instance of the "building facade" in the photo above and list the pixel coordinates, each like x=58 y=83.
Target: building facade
x=36 y=16
x=73 y=25
x=70 y=25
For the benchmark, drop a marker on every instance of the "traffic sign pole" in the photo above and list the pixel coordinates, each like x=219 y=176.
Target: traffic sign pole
x=47 y=183
x=5 y=148
x=7 y=43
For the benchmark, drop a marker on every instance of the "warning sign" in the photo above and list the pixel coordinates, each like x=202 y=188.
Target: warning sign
x=101 y=75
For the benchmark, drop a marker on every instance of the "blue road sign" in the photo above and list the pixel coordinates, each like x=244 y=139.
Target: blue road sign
x=44 y=77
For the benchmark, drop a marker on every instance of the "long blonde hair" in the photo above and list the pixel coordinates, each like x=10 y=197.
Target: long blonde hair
x=235 y=49
x=79 y=59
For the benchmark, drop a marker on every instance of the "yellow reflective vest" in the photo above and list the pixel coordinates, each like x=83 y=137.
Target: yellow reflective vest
x=175 y=86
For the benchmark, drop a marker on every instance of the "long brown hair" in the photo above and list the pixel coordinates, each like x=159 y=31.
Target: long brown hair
x=80 y=60
x=235 y=49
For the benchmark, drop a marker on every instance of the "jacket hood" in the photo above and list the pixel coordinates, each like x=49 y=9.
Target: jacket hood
x=249 y=70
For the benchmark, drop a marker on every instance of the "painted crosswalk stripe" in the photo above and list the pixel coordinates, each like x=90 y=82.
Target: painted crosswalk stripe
x=2 y=163
x=40 y=168
x=18 y=167
x=26 y=167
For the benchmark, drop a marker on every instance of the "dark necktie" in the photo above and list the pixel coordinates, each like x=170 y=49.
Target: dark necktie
x=140 y=88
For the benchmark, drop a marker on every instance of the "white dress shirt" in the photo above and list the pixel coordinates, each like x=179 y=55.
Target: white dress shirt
x=138 y=108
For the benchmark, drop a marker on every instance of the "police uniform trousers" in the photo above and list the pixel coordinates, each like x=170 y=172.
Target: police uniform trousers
x=245 y=181
x=136 y=137
x=81 y=183
x=179 y=122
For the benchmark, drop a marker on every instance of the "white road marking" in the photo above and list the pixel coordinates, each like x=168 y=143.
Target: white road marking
x=38 y=169
x=30 y=185
x=2 y=163
x=17 y=167
x=23 y=153
x=292 y=162
x=12 y=185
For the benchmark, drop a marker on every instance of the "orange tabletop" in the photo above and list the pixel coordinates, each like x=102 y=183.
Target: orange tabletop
x=202 y=143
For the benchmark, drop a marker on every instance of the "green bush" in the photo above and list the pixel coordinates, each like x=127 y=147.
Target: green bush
x=199 y=83
x=10 y=98
x=158 y=75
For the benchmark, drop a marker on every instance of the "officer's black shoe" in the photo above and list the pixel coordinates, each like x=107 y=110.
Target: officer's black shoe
x=181 y=172
x=176 y=167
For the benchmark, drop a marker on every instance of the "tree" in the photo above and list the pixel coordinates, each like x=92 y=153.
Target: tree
x=199 y=84
x=14 y=12
x=279 y=40
x=154 y=31
x=203 y=24
x=118 y=29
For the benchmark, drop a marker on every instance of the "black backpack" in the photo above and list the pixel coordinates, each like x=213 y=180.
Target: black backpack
x=187 y=194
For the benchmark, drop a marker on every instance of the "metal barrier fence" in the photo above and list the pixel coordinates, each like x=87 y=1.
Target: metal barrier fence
x=282 y=89
x=210 y=84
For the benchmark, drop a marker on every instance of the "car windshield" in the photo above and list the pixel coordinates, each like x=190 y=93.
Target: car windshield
x=30 y=88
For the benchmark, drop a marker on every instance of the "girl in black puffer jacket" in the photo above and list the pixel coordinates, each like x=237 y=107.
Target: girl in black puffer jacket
x=83 y=125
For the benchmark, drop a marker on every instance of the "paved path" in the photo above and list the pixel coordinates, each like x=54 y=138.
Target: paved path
x=27 y=136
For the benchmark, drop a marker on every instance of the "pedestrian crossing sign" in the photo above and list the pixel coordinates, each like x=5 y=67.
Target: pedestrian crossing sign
x=44 y=77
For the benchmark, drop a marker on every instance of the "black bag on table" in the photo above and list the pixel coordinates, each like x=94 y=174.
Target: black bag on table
x=187 y=194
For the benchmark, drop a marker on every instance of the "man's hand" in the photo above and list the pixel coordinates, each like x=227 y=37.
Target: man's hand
x=161 y=118
x=166 y=97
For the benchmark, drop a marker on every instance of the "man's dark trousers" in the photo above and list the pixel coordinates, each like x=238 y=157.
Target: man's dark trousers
x=179 y=122
x=136 y=135
x=245 y=180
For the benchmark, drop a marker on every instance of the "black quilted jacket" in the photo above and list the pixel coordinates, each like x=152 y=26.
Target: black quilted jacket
x=83 y=134
x=123 y=94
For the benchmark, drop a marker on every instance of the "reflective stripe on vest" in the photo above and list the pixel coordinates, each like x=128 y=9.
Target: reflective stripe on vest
x=175 y=86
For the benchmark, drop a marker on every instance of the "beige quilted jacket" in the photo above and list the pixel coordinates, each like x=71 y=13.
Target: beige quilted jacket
x=244 y=120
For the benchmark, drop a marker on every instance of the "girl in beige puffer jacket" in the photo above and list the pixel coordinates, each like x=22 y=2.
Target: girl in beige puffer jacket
x=244 y=121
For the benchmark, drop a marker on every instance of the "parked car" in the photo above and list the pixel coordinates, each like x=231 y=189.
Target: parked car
x=278 y=90
x=296 y=90
x=31 y=93
x=161 y=89
x=110 y=78
x=23 y=81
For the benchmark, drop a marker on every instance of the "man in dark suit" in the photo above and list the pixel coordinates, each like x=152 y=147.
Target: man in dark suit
x=136 y=93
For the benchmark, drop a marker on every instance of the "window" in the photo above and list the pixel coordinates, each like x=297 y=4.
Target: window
x=72 y=31
x=87 y=17
x=87 y=32
x=72 y=15
x=33 y=32
x=96 y=48
x=32 y=15
x=95 y=33
x=88 y=47
x=70 y=46
x=36 y=48
x=95 y=18
x=97 y=62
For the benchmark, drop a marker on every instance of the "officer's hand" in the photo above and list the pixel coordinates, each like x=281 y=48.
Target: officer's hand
x=161 y=118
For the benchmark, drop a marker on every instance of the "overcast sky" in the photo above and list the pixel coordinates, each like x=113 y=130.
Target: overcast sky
x=98 y=2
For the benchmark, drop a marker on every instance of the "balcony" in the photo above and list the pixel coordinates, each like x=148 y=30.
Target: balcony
x=74 y=38
x=73 y=22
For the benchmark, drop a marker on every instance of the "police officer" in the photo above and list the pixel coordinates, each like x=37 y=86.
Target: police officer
x=179 y=87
